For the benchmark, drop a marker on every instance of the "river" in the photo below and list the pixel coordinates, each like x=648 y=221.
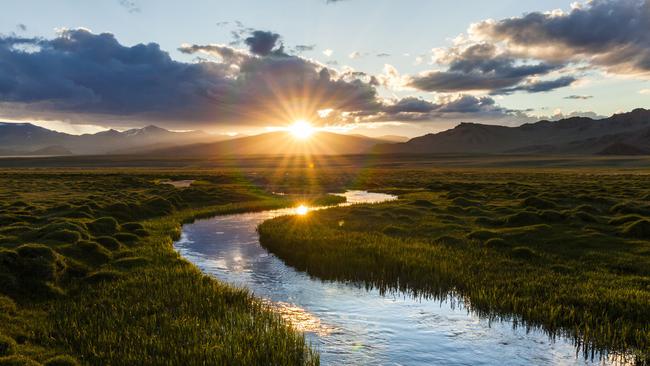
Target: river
x=350 y=325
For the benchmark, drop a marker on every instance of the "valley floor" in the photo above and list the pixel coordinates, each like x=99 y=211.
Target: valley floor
x=88 y=272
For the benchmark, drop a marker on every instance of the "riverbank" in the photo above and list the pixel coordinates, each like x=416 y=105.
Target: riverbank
x=87 y=271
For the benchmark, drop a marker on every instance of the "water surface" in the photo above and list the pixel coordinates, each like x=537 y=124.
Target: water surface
x=350 y=325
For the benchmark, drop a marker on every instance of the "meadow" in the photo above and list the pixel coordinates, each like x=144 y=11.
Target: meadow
x=564 y=251
x=88 y=274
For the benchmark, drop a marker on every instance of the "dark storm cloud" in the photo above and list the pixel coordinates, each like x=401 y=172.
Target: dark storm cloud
x=481 y=67
x=614 y=34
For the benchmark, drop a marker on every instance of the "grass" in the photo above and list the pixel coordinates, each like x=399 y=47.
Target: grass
x=88 y=275
x=566 y=252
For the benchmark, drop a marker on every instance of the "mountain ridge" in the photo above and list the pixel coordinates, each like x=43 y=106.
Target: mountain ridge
x=278 y=143
x=27 y=138
x=575 y=135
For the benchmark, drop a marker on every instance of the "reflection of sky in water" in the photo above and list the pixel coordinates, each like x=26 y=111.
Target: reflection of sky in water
x=349 y=325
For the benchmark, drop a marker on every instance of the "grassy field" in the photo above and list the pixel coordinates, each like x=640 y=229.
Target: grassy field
x=88 y=274
x=567 y=252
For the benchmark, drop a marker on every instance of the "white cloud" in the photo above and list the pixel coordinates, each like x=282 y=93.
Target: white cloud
x=354 y=55
x=328 y=52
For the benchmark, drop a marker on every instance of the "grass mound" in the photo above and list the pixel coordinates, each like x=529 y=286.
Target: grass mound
x=7 y=305
x=393 y=230
x=523 y=253
x=482 y=235
x=7 y=346
x=103 y=226
x=17 y=360
x=638 y=229
x=130 y=262
x=539 y=203
x=109 y=242
x=62 y=360
x=524 y=218
x=497 y=243
x=103 y=276
x=63 y=236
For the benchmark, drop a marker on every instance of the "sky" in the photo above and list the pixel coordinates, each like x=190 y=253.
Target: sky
x=376 y=67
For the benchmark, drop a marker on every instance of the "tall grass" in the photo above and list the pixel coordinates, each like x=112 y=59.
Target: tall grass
x=549 y=251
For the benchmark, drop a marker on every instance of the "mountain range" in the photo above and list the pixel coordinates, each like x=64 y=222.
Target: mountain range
x=29 y=139
x=620 y=134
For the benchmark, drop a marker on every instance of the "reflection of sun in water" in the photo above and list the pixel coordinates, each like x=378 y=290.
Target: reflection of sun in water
x=302 y=210
x=301 y=130
x=300 y=318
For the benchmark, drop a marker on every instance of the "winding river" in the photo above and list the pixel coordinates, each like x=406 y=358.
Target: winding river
x=350 y=325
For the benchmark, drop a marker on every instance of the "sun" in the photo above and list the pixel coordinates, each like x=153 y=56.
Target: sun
x=301 y=129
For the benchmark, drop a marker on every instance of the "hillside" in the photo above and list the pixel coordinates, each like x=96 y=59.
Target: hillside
x=29 y=139
x=278 y=143
x=619 y=134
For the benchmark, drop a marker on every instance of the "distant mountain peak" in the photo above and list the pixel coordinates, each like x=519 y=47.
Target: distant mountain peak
x=26 y=137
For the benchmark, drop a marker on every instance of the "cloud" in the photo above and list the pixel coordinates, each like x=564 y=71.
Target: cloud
x=21 y=27
x=263 y=43
x=579 y=97
x=538 y=86
x=328 y=52
x=130 y=6
x=355 y=55
x=448 y=107
x=84 y=73
x=304 y=47
x=93 y=79
x=644 y=91
x=483 y=67
x=383 y=54
x=612 y=34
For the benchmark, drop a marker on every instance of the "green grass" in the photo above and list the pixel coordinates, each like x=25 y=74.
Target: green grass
x=88 y=275
x=88 y=272
x=559 y=251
